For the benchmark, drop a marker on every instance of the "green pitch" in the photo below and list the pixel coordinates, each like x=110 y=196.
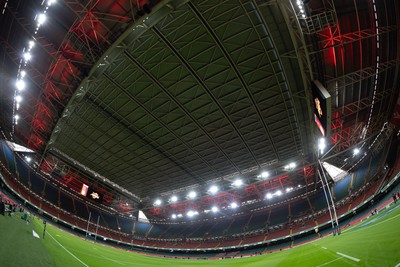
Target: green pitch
x=375 y=242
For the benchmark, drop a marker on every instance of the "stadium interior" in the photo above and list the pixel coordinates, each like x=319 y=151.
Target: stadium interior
x=200 y=128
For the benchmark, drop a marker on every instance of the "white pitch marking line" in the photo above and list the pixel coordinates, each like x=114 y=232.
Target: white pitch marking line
x=324 y=247
x=370 y=225
x=349 y=257
x=398 y=265
x=326 y=263
x=119 y=262
x=68 y=250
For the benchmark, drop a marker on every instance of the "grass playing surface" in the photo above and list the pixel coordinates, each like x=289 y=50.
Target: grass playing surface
x=375 y=242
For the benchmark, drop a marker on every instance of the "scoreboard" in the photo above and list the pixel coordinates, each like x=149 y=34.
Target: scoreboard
x=322 y=107
x=91 y=193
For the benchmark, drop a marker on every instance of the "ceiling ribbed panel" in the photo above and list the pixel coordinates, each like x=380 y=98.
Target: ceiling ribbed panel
x=202 y=94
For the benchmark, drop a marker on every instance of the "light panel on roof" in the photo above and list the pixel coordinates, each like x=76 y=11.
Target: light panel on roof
x=190 y=213
x=174 y=199
x=20 y=84
x=27 y=56
x=41 y=19
x=213 y=189
x=238 y=183
x=192 y=195
x=157 y=202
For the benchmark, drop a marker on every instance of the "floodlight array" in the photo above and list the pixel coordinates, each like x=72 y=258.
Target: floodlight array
x=290 y=166
x=279 y=193
x=214 y=189
x=300 y=5
x=27 y=56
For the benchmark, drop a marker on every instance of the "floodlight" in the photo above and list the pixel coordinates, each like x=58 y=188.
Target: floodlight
x=234 y=205
x=213 y=189
x=173 y=199
x=20 y=84
x=321 y=145
x=278 y=193
x=16 y=117
x=173 y=216
x=214 y=209
x=41 y=19
x=179 y=215
x=356 y=151
x=27 y=56
x=18 y=98
x=50 y=2
x=238 y=183
x=192 y=194
x=28 y=159
x=290 y=166
x=190 y=213
x=23 y=73
x=264 y=175
x=269 y=195
x=157 y=202
x=289 y=189
x=31 y=44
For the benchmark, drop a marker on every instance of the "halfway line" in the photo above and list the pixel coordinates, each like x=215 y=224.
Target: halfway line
x=347 y=256
x=68 y=250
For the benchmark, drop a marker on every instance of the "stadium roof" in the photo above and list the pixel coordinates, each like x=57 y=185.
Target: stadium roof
x=160 y=95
